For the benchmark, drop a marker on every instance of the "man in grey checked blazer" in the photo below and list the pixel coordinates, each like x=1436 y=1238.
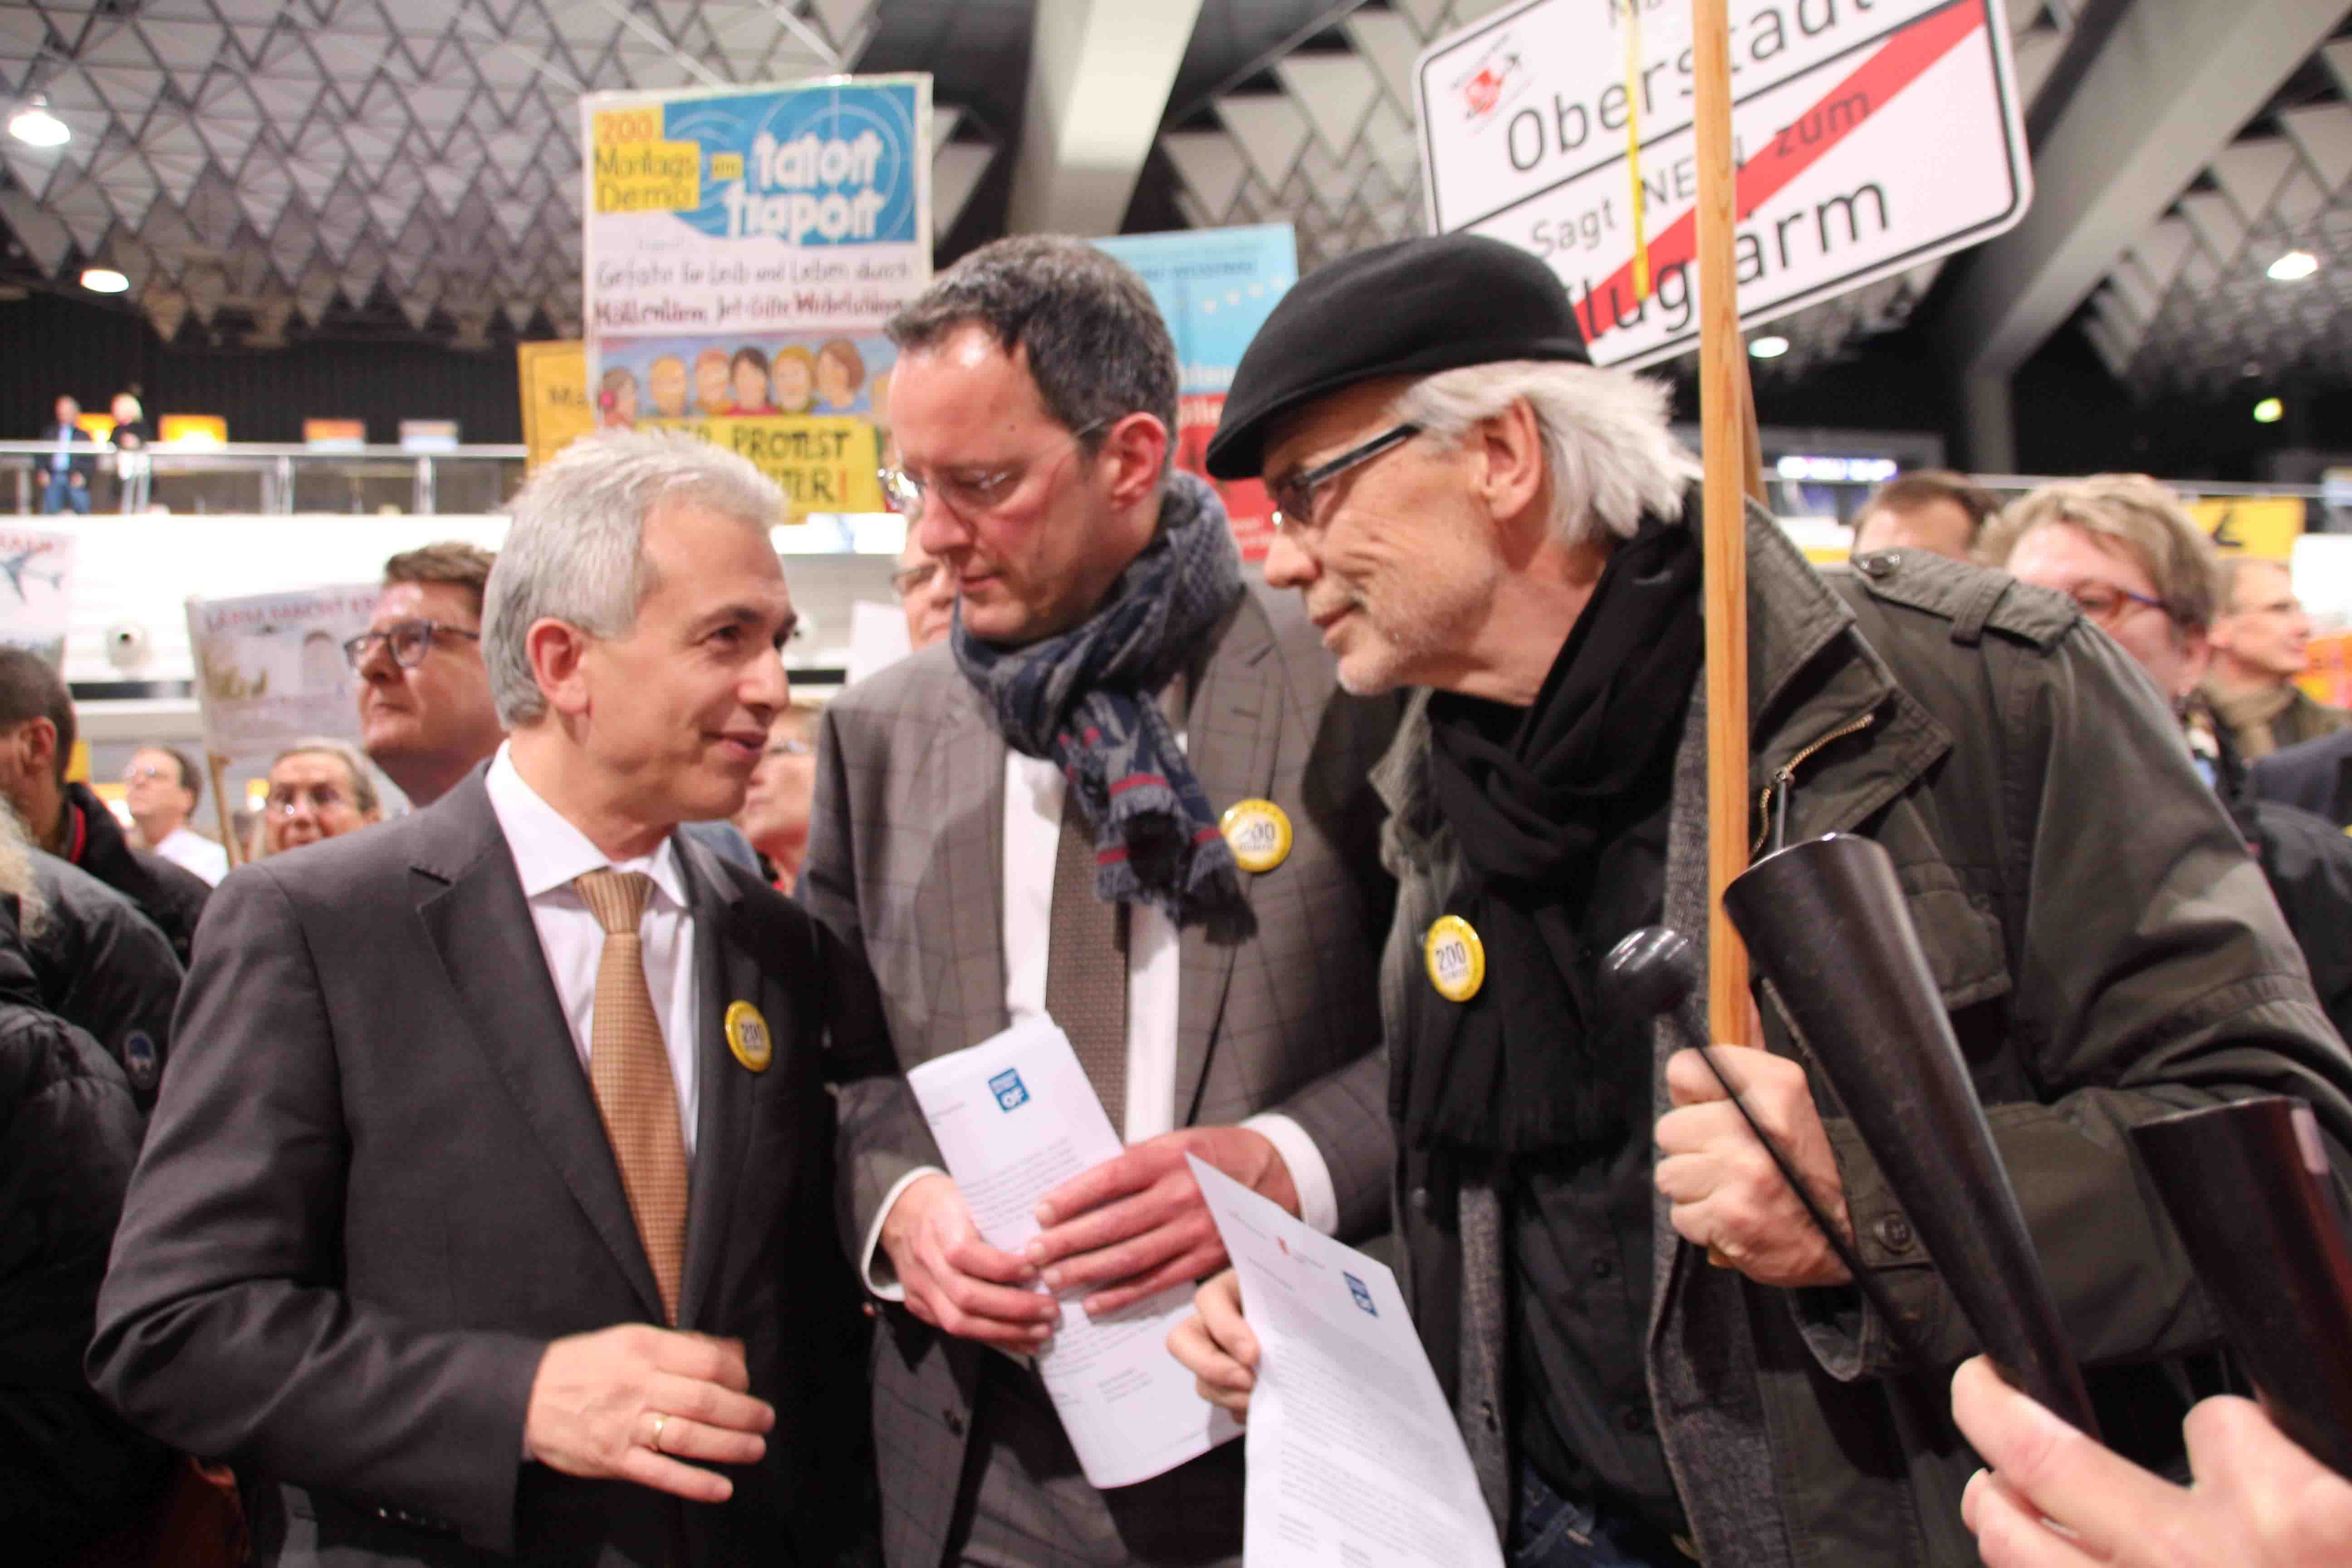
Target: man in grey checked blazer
x=1031 y=403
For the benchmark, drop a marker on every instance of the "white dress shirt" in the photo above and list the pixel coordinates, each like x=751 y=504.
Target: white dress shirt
x=1033 y=788
x=548 y=853
x=197 y=852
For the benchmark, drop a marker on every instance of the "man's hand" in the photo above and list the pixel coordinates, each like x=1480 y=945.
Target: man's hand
x=2054 y=1499
x=955 y=1281
x=1137 y=1223
x=630 y=1402
x=1217 y=1347
x=1727 y=1194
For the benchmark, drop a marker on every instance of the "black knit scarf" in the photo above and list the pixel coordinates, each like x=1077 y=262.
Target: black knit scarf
x=1085 y=699
x=1517 y=1068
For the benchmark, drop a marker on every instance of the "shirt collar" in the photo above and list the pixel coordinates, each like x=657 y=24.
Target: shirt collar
x=550 y=853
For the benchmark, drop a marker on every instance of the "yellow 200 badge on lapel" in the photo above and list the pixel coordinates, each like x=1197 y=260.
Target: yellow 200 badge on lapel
x=1259 y=833
x=748 y=1038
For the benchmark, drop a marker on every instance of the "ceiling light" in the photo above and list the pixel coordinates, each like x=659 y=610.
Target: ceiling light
x=1770 y=346
x=2294 y=267
x=35 y=124
x=104 y=280
x=2269 y=411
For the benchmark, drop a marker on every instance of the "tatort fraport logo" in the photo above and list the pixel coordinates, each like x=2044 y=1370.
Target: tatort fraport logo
x=1010 y=1092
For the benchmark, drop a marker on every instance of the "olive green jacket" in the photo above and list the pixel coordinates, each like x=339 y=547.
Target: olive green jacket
x=2109 y=954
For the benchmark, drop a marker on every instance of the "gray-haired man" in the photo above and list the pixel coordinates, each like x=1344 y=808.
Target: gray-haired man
x=1024 y=819
x=1654 y=1354
x=489 y=1194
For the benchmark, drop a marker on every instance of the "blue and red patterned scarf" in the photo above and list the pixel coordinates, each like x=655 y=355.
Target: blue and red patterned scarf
x=1084 y=698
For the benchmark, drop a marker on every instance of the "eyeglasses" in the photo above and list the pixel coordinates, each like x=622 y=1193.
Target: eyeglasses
x=909 y=580
x=1293 y=496
x=150 y=776
x=285 y=800
x=410 y=642
x=2106 y=602
x=967 y=494
x=788 y=747
x=2275 y=607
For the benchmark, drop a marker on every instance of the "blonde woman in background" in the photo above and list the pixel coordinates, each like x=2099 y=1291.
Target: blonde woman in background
x=131 y=464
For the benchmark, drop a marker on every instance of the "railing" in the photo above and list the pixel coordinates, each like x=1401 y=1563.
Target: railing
x=248 y=476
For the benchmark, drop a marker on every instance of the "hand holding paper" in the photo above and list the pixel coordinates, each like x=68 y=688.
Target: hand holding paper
x=1016 y=1119
x=1137 y=1223
x=1354 y=1458
x=1216 y=1347
x=954 y=1281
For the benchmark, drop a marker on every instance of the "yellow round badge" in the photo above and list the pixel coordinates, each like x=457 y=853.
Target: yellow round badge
x=1258 y=833
x=748 y=1038
x=1456 y=958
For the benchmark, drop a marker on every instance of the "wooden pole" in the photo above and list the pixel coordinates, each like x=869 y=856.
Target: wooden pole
x=217 y=766
x=1724 y=419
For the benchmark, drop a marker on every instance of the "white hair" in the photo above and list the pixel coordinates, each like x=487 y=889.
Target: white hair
x=16 y=880
x=575 y=553
x=1608 y=450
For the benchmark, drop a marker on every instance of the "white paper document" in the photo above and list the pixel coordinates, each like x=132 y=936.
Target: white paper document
x=1354 y=1459
x=1014 y=1117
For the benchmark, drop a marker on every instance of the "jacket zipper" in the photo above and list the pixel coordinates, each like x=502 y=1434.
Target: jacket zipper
x=1774 y=823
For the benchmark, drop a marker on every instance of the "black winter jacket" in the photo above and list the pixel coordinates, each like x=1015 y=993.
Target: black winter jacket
x=104 y=967
x=170 y=895
x=70 y=1469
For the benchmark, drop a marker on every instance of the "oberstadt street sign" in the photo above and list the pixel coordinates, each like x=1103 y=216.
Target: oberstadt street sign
x=1870 y=136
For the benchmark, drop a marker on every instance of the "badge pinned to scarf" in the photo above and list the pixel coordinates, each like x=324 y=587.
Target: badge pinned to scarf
x=748 y=1036
x=1259 y=833
x=1456 y=958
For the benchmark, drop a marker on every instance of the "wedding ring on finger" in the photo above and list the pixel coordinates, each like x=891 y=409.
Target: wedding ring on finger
x=654 y=1441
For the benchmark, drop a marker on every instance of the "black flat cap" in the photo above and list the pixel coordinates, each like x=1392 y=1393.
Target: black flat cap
x=1413 y=308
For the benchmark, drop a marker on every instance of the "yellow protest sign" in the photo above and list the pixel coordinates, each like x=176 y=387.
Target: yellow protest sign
x=555 y=406
x=634 y=169
x=822 y=462
x=2267 y=526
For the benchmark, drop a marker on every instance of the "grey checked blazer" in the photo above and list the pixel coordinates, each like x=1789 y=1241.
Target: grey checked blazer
x=906 y=847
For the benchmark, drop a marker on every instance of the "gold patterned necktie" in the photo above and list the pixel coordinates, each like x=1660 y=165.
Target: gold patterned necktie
x=1086 y=966
x=629 y=1069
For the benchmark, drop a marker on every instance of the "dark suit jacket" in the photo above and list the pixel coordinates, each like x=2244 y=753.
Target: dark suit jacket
x=2315 y=775
x=84 y=463
x=377 y=1185
x=905 y=862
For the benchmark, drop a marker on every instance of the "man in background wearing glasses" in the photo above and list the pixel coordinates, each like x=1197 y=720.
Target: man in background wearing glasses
x=425 y=714
x=2127 y=552
x=1026 y=820
x=2262 y=640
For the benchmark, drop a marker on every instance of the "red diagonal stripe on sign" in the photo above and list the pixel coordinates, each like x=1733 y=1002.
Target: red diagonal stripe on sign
x=1898 y=63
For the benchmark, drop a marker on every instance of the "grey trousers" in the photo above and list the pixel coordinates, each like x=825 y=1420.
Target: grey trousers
x=1025 y=1503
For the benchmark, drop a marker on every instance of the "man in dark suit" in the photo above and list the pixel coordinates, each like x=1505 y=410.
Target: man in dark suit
x=66 y=473
x=485 y=1212
x=1026 y=820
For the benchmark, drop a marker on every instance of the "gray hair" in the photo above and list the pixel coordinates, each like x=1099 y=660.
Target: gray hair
x=1608 y=450
x=16 y=878
x=364 y=790
x=575 y=553
x=1098 y=350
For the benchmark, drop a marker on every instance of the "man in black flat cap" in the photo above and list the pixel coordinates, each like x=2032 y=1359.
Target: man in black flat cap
x=1656 y=1357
